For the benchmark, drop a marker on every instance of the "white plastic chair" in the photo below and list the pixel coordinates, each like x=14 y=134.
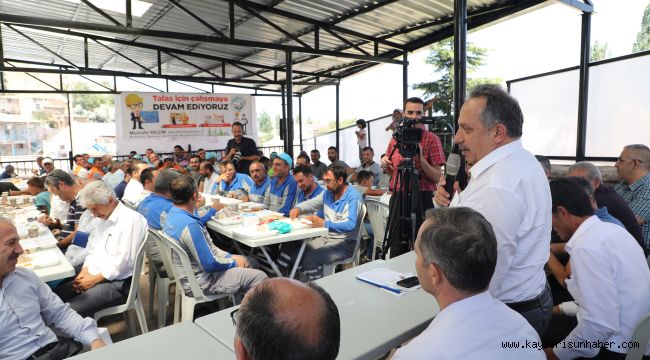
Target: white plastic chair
x=168 y=246
x=378 y=215
x=159 y=282
x=641 y=336
x=133 y=301
x=328 y=269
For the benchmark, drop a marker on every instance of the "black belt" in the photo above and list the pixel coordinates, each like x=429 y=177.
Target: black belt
x=528 y=305
x=44 y=350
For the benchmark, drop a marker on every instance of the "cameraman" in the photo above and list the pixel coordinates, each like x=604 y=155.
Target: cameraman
x=241 y=150
x=431 y=156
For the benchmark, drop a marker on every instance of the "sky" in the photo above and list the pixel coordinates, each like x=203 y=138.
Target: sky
x=543 y=40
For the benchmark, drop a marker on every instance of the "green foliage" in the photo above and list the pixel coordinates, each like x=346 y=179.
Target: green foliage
x=42 y=116
x=643 y=37
x=599 y=51
x=266 y=127
x=442 y=59
x=98 y=107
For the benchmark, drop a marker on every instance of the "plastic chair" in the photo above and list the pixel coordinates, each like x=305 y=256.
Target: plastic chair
x=328 y=269
x=378 y=215
x=133 y=301
x=169 y=246
x=641 y=336
x=158 y=281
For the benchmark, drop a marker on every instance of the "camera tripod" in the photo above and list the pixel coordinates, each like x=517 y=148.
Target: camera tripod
x=405 y=214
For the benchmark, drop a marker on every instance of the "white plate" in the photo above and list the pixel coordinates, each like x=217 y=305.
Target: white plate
x=252 y=233
x=227 y=221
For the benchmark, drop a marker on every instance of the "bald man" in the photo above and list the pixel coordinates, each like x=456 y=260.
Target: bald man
x=30 y=313
x=282 y=318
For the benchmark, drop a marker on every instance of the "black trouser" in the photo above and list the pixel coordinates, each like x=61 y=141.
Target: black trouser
x=536 y=311
x=62 y=349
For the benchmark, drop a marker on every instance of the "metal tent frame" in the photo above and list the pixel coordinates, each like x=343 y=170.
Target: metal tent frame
x=275 y=47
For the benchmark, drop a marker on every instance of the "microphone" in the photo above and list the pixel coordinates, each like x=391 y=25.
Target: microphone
x=451 y=170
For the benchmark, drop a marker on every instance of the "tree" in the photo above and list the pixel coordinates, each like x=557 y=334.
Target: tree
x=265 y=123
x=90 y=104
x=442 y=59
x=599 y=51
x=643 y=37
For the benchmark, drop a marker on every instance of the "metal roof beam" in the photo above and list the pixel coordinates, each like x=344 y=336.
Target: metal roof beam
x=41 y=45
x=196 y=17
x=9 y=18
x=159 y=48
x=584 y=6
x=276 y=27
x=33 y=77
x=350 y=43
x=322 y=24
x=101 y=12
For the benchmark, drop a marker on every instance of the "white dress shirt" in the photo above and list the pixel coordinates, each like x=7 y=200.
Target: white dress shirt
x=509 y=188
x=610 y=281
x=211 y=184
x=59 y=209
x=114 y=243
x=132 y=191
x=75 y=254
x=476 y=327
x=30 y=311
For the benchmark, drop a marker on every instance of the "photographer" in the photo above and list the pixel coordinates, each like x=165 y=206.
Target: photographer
x=427 y=162
x=241 y=150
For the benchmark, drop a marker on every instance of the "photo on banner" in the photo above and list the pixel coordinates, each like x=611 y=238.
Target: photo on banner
x=162 y=120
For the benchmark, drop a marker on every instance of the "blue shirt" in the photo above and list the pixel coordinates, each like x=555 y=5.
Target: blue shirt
x=282 y=196
x=637 y=196
x=258 y=194
x=194 y=238
x=236 y=184
x=43 y=199
x=302 y=197
x=119 y=189
x=341 y=216
x=154 y=206
x=605 y=216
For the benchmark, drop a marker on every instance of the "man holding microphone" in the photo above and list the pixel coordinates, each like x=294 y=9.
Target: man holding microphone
x=509 y=188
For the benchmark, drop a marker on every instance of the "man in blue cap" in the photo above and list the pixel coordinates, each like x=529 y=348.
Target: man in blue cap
x=283 y=185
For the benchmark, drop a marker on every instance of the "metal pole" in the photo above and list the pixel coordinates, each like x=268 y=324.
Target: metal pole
x=405 y=77
x=337 y=119
x=300 y=119
x=289 y=94
x=583 y=87
x=460 y=56
x=2 y=61
x=70 y=123
x=284 y=117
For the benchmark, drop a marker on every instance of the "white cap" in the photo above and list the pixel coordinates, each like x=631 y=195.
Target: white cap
x=48 y=160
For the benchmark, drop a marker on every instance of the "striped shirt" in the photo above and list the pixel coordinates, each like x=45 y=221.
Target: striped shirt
x=236 y=187
x=74 y=213
x=637 y=196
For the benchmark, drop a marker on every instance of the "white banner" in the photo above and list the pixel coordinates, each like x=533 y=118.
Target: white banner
x=162 y=120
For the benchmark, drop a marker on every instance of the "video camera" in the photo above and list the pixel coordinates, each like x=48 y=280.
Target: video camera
x=408 y=136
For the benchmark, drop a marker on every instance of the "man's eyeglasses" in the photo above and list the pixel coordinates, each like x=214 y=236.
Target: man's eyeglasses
x=234 y=315
x=329 y=181
x=620 y=159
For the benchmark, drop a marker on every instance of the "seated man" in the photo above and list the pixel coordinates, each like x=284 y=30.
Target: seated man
x=341 y=205
x=303 y=159
x=607 y=197
x=106 y=273
x=455 y=257
x=10 y=172
x=283 y=185
x=134 y=187
x=369 y=164
x=258 y=186
x=217 y=271
x=609 y=277
x=156 y=206
x=36 y=188
x=364 y=185
x=210 y=177
x=633 y=168
x=63 y=185
x=304 y=316
x=30 y=312
x=231 y=183
x=307 y=184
